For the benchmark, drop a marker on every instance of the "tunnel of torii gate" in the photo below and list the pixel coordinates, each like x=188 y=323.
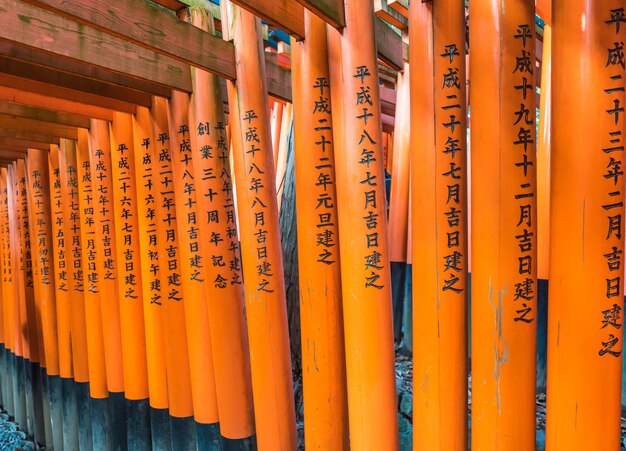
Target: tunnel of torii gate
x=275 y=225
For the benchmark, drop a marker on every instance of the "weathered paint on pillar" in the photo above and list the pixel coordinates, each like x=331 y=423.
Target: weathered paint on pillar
x=504 y=224
x=365 y=265
x=107 y=264
x=585 y=317
x=321 y=319
x=264 y=286
x=130 y=291
x=439 y=224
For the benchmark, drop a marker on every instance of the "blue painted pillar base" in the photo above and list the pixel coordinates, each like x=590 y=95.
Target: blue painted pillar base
x=100 y=424
x=160 y=427
x=398 y=272
x=39 y=429
x=208 y=436
x=183 y=434
x=83 y=403
x=406 y=344
x=243 y=444
x=117 y=415
x=138 y=425
x=69 y=405
x=542 y=334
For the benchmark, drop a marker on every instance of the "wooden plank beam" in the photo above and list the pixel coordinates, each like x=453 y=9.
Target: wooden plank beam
x=142 y=23
x=12 y=154
x=332 y=11
x=390 y=15
x=54 y=104
x=28 y=25
x=278 y=79
x=71 y=81
x=35 y=137
x=389 y=45
x=400 y=6
x=37 y=127
x=10 y=142
x=30 y=112
x=73 y=95
x=60 y=63
x=287 y=15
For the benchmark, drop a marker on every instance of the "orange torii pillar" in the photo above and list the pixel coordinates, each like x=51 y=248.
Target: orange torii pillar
x=176 y=289
x=130 y=290
x=148 y=207
x=439 y=227
x=4 y=368
x=504 y=229
x=321 y=319
x=102 y=180
x=543 y=205
x=261 y=252
x=215 y=197
x=32 y=369
x=87 y=205
x=363 y=238
x=399 y=199
x=194 y=270
x=21 y=327
x=585 y=311
x=78 y=329
x=45 y=299
x=63 y=274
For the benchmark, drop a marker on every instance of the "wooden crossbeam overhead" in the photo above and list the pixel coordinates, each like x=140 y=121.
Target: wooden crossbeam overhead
x=142 y=23
x=41 y=114
x=389 y=44
x=287 y=15
x=400 y=6
x=63 y=64
x=54 y=104
x=332 y=11
x=17 y=143
x=73 y=95
x=12 y=154
x=37 y=127
x=28 y=25
x=28 y=136
x=65 y=80
x=390 y=15
x=278 y=79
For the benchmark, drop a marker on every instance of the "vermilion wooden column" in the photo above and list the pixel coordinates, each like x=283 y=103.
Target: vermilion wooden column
x=145 y=162
x=321 y=319
x=68 y=177
x=215 y=204
x=261 y=252
x=504 y=229
x=361 y=207
x=91 y=276
x=439 y=224
x=130 y=290
x=107 y=264
x=59 y=255
x=39 y=199
x=585 y=317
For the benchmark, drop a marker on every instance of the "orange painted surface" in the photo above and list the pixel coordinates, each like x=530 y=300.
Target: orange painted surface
x=73 y=258
x=321 y=318
x=399 y=200
x=19 y=313
x=41 y=219
x=130 y=291
x=59 y=256
x=504 y=233
x=585 y=316
x=264 y=286
x=107 y=263
x=365 y=265
x=32 y=339
x=217 y=218
x=439 y=224
x=543 y=158
x=148 y=207
x=87 y=203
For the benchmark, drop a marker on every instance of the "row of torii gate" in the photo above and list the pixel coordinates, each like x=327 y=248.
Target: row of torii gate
x=144 y=147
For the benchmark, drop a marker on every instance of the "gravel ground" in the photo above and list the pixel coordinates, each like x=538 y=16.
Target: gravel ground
x=11 y=438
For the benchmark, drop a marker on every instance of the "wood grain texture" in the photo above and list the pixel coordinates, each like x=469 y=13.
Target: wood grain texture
x=28 y=25
x=151 y=27
x=41 y=114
